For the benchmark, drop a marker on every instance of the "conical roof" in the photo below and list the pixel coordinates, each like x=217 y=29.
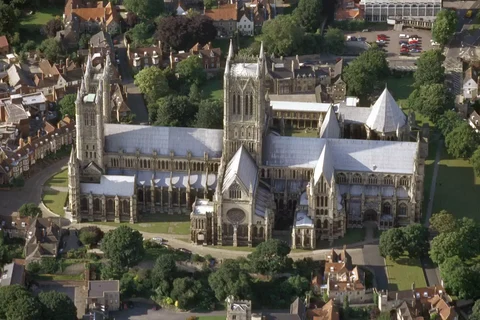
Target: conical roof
x=330 y=127
x=386 y=115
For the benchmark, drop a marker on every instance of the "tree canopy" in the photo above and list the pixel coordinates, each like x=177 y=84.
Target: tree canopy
x=57 y=306
x=185 y=292
x=475 y=161
x=462 y=141
x=29 y=210
x=282 y=36
x=430 y=68
x=210 y=114
x=309 y=14
x=475 y=315
x=123 y=246
x=448 y=121
x=153 y=83
x=444 y=26
x=52 y=49
x=443 y=221
x=366 y=73
x=270 y=257
x=334 y=41
x=173 y=111
x=230 y=279
x=8 y=19
x=141 y=35
x=392 y=243
x=21 y=304
x=147 y=9
x=67 y=105
x=51 y=28
x=164 y=269
x=430 y=100
x=183 y=32
x=416 y=240
x=191 y=70
x=460 y=279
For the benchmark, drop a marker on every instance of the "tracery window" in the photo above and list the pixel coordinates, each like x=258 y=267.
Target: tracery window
x=387 y=208
x=341 y=178
x=234 y=192
x=372 y=179
x=404 y=181
x=388 y=180
x=357 y=178
x=402 y=210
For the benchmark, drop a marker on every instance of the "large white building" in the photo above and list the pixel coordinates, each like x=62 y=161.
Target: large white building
x=380 y=10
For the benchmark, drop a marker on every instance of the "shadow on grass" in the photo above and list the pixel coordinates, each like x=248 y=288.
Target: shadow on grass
x=164 y=217
x=405 y=261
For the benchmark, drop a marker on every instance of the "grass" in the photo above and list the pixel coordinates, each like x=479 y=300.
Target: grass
x=457 y=188
x=159 y=223
x=30 y=25
x=429 y=166
x=59 y=277
x=58 y=180
x=55 y=201
x=403 y=272
x=352 y=236
x=304 y=133
x=213 y=89
x=151 y=254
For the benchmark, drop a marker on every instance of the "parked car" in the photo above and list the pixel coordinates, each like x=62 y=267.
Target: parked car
x=402 y=42
x=410 y=41
x=351 y=38
x=365 y=30
x=434 y=43
x=404 y=36
x=157 y=239
x=361 y=39
x=413 y=36
x=380 y=41
x=381 y=35
x=415 y=50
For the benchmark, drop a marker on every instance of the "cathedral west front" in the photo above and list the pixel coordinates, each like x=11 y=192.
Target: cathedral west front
x=241 y=183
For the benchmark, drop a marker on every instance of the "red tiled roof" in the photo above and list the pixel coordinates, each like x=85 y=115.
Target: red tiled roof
x=225 y=12
x=3 y=42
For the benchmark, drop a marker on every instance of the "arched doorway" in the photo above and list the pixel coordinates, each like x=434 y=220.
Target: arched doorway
x=370 y=215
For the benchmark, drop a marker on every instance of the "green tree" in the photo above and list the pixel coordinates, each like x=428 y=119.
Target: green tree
x=475 y=161
x=210 y=114
x=191 y=70
x=459 y=279
x=462 y=141
x=29 y=210
x=21 y=304
x=164 y=269
x=141 y=34
x=4 y=251
x=430 y=68
x=448 y=121
x=173 y=111
x=49 y=265
x=230 y=279
x=87 y=238
x=97 y=232
x=297 y=286
x=444 y=26
x=270 y=257
x=153 y=83
x=52 y=49
x=475 y=315
x=309 y=14
x=84 y=40
x=57 y=306
x=416 y=240
x=282 y=36
x=8 y=21
x=123 y=246
x=67 y=105
x=367 y=73
x=334 y=41
x=30 y=45
x=444 y=246
x=185 y=291
x=147 y=9
x=52 y=27
x=392 y=243
x=443 y=221
x=210 y=4
x=430 y=100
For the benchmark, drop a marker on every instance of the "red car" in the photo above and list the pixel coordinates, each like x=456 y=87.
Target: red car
x=382 y=36
x=410 y=41
x=404 y=49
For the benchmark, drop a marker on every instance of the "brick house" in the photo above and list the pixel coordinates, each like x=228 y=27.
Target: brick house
x=82 y=18
x=4 y=46
x=211 y=57
x=225 y=19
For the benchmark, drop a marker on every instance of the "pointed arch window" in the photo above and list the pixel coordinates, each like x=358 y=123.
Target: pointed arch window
x=402 y=210
x=387 y=208
x=388 y=180
x=234 y=192
x=341 y=178
x=238 y=104
x=357 y=178
x=251 y=105
x=372 y=179
x=404 y=181
x=234 y=104
x=247 y=99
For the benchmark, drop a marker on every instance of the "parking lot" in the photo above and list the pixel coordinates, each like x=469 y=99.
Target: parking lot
x=392 y=46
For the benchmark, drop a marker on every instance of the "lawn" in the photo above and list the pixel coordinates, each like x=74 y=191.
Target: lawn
x=30 y=25
x=55 y=201
x=305 y=133
x=59 y=277
x=403 y=272
x=58 y=180
x=213 y=89
x=429 y=166
x=352 y=236
x=151 y=254
x=457 y=188
x=158 y=223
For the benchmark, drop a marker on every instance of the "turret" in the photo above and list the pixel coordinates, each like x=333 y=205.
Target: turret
x=107 y=110
x=79 y=121
x=73 y=186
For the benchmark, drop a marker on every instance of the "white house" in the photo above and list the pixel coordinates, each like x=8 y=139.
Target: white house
x=245 y=26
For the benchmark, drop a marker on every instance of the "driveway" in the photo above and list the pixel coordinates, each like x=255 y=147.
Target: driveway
x=12 y=200
x=375 y=262
x=134 y=97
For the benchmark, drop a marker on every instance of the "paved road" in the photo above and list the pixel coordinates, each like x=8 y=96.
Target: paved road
x=12 y=200
x=375 y=262
x=134 y=97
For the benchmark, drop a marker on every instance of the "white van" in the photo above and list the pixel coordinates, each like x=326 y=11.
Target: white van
x=404 y=36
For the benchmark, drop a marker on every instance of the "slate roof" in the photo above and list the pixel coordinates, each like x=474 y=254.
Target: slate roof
x=101 y=39
x=300 y=106
x=330 y=127
x=347 y=154
x=12 y=274
x=146 y=139
x=241 y=168
x=386 y=115
x=123 y=186
x=17 y=76
x=97 y=289
x=244 y=70
x=303 y=220
x=325 y=165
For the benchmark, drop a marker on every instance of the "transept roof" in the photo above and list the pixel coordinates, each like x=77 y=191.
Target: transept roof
x=386 y=115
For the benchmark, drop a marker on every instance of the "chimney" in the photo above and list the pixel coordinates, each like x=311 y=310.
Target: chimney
x=293 y=65
x=39 y=133
x=29 y=140
x=413 y=286
x=21 y=143
x=396 y=296
x=273 y=66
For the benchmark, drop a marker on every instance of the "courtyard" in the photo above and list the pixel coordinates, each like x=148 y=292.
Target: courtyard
x=31 y=24
x=175 y=224
x=404 y=271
